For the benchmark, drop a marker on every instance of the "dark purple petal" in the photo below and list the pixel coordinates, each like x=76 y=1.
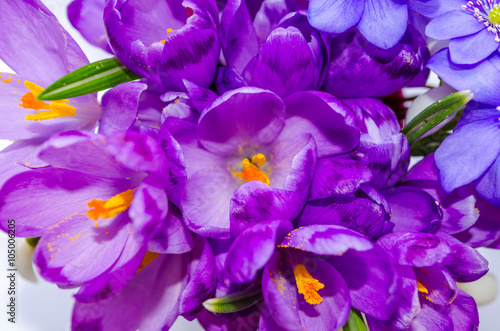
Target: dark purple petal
x=228 y=79
x=440 y=287
x=86 y=17
x=241 y=118
x=338 y=176
x=238 y=38
x=243 y=264
x=326 y=240
x=75 y=251
x=487 y=228
x=464 y=312
x=149 y=302
x=412 y=209
x=372 y=278
x=332 y=124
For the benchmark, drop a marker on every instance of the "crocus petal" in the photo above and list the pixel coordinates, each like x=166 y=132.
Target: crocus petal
x=228 y=79
x=52 y=52
x=464 y=262
x=17 y=156
x=326 y=240
x=384 y=22
x=75 y=251
x=440 y=287
x=200 y=97
x=289 y=308
x=239 y=40
x=480 y=78
x=487 y=228
x=464 y=312
x=243 y=264
x=240 y=118
x=468 y=152
x=459 y=207
x=433 y=317
x=202 y=280
x=335 y=16
x=54 y=194
x=413 y=210
x=83 y=152
x=453 y=24
x=338 y=176
x=86 y=17
x=332 y=124
x=372 y=278
x=474 y=48
x=149 y=302
x=114 y=280
x=119 y=107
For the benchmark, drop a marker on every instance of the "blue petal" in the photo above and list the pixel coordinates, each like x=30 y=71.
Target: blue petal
x=488 y=185
x=335 y=16
x=453 y=24
x=472 y=49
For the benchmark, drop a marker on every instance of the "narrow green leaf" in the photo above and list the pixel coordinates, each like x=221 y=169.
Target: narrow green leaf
x=32 y=241
x=435 y=114
x=355 y=321
x=91 y=78
x=234 y=302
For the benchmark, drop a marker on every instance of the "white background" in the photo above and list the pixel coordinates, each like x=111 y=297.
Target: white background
x=44 y=307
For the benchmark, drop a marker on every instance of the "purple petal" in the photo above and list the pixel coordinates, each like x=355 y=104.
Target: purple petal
x=433 y=317
x=228 y=79
x=335 y=16
x=338 y=176
x=326 y=240
x=17 y=156
x=242 y=117
x=75 y=251
x=487 y=228
x=434 y=8
x=488 y=185
x=456 y=23
x=332 y=124
x=468 y=152
x=52 y=52
x=412 y=209
x=439 y=284
x=372 y=278
x=384 y=22
x=474 y=48
x=481 y=78
x=149 y=302
x=66 y=192
x=238 y=37
x=86 y=17
x=242 y=263
x=200 y=97
x=119 y=107
x=464 y=312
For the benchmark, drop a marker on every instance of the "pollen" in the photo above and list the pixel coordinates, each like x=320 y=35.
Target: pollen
x=54 y=109
x=421 y=288
x=307 y=285
x=148 y=258
x=251 y=169
x=110 y=207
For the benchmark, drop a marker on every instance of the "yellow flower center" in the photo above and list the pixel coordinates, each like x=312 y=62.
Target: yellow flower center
x=494 y=15
x=54 y=109
x=251 y=169
x=307 y=285
x=111 y=207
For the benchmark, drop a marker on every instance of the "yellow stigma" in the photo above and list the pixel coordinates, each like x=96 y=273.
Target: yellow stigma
x=494 y=15
x=251 y=171
x=307 y=285
x=148 y=258
x=54 y=109
x=110 y=207
x=422 y=288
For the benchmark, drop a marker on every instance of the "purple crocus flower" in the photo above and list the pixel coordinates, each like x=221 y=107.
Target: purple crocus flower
x=430 y=266
x=381 y=22
x=472 y=153
x=360 y=69
x=108 y=205
x=314 y=275
x=165 y=41
x=52 y=54
x=252 y=151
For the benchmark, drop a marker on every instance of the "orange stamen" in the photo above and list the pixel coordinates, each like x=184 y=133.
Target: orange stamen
x=55 y=109
x=307 y=285
x=110 y=207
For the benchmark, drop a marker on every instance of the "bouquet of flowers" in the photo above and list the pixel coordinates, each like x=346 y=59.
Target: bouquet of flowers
x=248 y=163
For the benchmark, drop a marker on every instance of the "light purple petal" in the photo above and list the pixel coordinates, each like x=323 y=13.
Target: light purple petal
x=488 y=185
x=456 y=23
x=335 y=16
x=472 y=49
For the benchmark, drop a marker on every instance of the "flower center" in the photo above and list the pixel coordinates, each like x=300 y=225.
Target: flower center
x=54 y=109
x=488 y=13
x=251 y=169
x=307 y=285
x=111 y=207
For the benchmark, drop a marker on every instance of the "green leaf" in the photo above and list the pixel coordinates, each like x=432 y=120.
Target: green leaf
x=355 y=322
x=91 y=78
x=32 y=241
x=435 y=114
x=234 y=302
